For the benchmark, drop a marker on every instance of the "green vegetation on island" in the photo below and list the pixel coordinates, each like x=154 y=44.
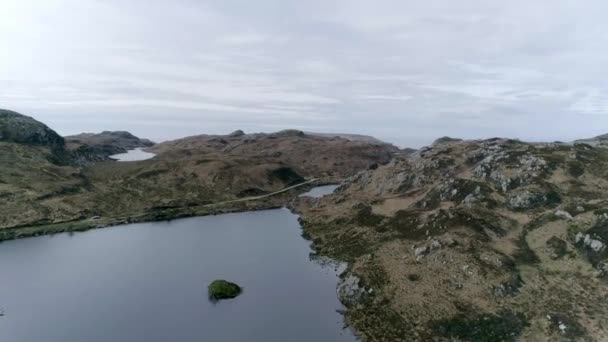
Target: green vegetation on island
x=222 y=289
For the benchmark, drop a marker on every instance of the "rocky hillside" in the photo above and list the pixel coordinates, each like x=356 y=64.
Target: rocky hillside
x=495 y=240
x=34 y=166
x=95 y=147
x=599 y=141
x=18 y=128
x=352 y=137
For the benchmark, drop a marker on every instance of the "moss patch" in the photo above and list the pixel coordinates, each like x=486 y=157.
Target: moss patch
x=576 y=168
x=558 y=248
x=287 y=175
x=365 y=217
x=503 y=326
x=524 y=254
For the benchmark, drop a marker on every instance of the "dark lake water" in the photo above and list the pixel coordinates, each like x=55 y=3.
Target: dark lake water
x=148 y=282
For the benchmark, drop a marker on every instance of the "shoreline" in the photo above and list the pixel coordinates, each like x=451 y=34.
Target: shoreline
x=274 y=200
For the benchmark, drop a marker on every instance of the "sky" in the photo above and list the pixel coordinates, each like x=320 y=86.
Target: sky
x=405 y=71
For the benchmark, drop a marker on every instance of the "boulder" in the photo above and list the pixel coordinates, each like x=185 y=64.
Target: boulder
x=564 y=215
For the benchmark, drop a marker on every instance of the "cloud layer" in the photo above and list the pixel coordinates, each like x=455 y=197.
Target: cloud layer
x=405 y=71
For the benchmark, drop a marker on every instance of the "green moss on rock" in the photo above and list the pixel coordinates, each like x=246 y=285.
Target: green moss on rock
x=222 y=289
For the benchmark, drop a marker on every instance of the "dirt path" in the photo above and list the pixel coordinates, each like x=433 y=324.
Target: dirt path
x=263 y=196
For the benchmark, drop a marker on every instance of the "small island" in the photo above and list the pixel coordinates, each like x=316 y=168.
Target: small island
x=222 y=289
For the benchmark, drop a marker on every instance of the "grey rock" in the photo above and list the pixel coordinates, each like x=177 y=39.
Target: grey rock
x=564 y=215
x=349 y=289
x=435 y=244
x=579 y=237
x=602 y=268
x=589 y=242
x=18 y=128
x=421 y=251
x=526 y=199
x=450 y=242
x=596 y=245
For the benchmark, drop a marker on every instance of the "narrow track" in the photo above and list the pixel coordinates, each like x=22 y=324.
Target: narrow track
x=252 y=198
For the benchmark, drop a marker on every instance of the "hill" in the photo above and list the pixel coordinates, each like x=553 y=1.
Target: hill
x=18 y=128
x=95 y=147
x=494 y=240
x=308 y=155
x=186 y=177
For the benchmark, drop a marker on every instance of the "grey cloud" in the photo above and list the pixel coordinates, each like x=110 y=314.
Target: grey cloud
x=405 y=71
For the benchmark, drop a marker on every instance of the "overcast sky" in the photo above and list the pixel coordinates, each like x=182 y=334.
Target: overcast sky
x=406 y=71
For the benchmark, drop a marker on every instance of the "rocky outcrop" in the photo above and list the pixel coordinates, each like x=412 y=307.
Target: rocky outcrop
x=350 y=290
x=18 y=128
x=528 y=199
x=586 y=240
x=527 y=217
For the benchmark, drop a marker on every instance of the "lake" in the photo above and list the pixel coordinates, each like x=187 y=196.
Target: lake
x=133 y=155
x=148 y=282
x=320 y=191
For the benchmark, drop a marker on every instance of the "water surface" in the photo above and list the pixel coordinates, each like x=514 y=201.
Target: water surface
x=133 y=155
x=147 y=282
x=320 y=191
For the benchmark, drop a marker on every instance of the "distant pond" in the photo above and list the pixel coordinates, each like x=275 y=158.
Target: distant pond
x=148 y=282
x=133 y=155
x=320 y=191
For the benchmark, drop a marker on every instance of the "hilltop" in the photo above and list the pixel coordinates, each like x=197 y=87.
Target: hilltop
x=18 y=128
x=492 y=240
x=308 y=155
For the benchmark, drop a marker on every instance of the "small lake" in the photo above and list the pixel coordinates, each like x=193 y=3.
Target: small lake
x=133 y=155
x=320 y=191
x=148 y=282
